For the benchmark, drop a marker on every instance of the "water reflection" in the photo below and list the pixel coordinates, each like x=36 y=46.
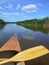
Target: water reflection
x=41 y=29
x=18 y=64
x=23 y=33
x=28 y=36
x=13 y=28
x=1 y=26
x=39 y=37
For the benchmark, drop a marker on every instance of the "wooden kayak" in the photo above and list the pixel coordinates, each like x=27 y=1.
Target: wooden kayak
x=10 y=46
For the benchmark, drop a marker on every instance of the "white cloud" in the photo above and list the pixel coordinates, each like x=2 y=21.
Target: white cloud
x=7 y=14
x=1 y=7
x=30 y=8
x=18 y=6
x=42 y=16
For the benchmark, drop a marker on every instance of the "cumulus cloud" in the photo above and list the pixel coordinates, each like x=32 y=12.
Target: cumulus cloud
x=1 y=7
x=7 y=14
x=30 y=8
x=18 y=6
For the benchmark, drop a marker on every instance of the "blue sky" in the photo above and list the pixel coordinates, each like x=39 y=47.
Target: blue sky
x=17 y=10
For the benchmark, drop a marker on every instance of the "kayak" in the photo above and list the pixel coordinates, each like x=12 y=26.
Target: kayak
x=10 y=48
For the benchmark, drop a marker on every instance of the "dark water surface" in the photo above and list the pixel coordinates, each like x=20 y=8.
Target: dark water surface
x=27 y=38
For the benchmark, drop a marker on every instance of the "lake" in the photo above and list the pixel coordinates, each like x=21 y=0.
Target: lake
x=27 y=37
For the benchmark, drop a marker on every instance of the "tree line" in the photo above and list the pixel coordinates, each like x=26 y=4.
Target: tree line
x=35 y=22
x=2 y=22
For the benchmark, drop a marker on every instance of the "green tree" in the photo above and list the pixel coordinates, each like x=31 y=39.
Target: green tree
x=2 y=22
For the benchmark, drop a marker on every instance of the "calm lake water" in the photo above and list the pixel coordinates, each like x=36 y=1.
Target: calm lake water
x=27 y=38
